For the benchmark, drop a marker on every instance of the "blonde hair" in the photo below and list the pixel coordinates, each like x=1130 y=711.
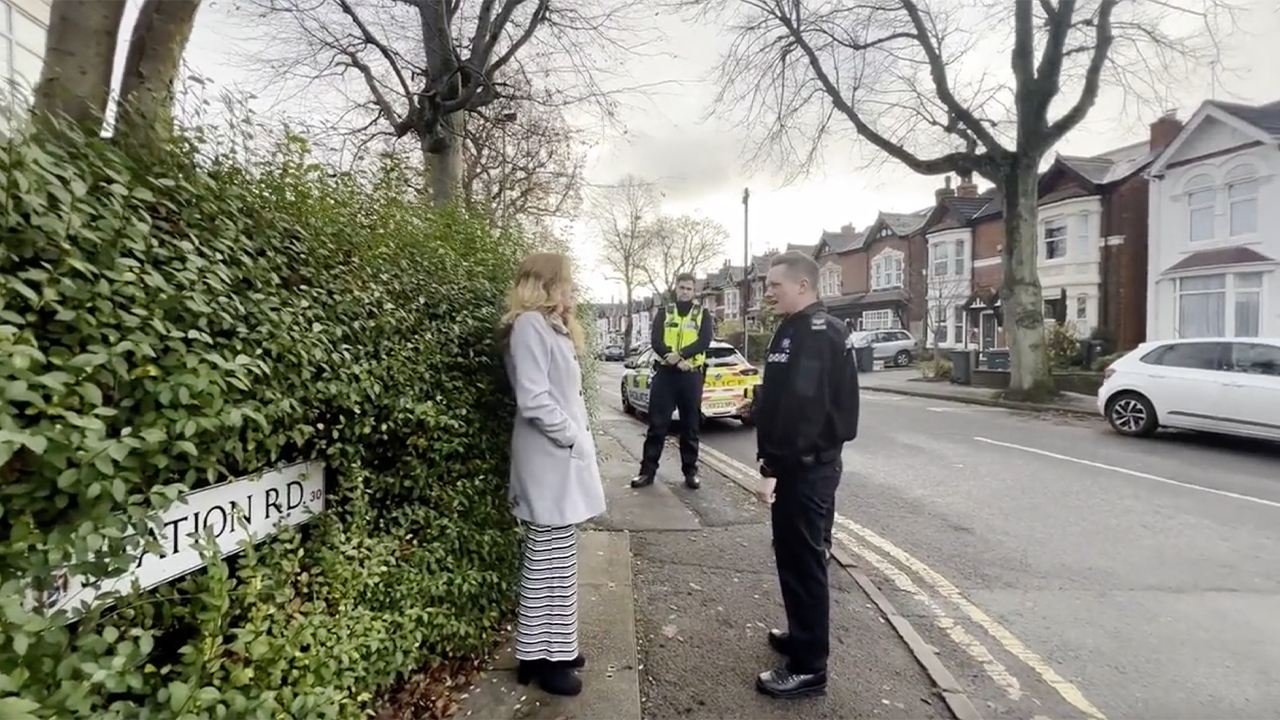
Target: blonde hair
x=539 y=282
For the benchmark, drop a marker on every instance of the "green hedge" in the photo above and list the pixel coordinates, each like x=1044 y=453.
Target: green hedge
x=168 y=325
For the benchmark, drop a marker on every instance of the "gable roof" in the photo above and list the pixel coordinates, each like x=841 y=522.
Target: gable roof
x=903 y=224
x=1108 y=167
x=843 y=240
x=1261 y=122
x=804 y=249
x=1264 y=117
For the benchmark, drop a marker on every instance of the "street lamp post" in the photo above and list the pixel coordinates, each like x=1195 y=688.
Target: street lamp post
x=504 y=120
x=746 y=260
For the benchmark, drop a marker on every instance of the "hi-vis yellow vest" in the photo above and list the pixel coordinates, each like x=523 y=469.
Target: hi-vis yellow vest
x=679 y=332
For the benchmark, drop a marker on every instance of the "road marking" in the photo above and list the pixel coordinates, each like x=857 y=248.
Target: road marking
x=1134 y=473
x=996 y=670
x=1066 y=689
x=1002 y=635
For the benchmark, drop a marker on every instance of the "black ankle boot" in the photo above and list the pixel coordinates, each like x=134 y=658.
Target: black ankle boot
x=554 y=678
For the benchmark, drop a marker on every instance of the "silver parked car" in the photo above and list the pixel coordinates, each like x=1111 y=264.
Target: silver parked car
x=894 y=347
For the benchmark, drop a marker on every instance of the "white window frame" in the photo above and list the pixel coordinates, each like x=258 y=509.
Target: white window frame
x=948 y=259
x=1231 y=290
x=829 y=281
x=879 y=320
x=11 y=43
x=1202 y=202
x=1244 y=180
x=887 y=270
x=938 y=258
x=732 y=303
x=959 y=323
x=1063 y=240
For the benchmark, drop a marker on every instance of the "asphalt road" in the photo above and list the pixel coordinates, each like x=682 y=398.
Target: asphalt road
x=1062 y=571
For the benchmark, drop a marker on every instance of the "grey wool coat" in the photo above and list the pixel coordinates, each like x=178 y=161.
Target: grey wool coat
x=555 y=479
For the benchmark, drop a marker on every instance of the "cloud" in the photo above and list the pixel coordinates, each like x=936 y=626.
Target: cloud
x=688 y=161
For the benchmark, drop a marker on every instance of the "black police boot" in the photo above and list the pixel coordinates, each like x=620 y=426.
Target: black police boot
x=641 y=481
x=785 y=684
x=692 y=482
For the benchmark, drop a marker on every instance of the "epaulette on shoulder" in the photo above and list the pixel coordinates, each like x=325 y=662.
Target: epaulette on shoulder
x=818 y=323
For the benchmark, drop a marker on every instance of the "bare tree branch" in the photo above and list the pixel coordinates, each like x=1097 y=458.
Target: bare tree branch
x=907 y=78
x=683 y=244
x=623 y=215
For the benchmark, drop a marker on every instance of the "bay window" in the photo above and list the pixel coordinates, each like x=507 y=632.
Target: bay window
x=829 y=281
x=1055 y=239
x=1228 y=305
x=941 y=259
x=886 y=270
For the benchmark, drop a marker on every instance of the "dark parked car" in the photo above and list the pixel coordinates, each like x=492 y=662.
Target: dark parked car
x=612 y=353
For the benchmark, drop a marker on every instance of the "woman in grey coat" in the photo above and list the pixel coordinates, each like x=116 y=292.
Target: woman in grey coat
x=555 y=482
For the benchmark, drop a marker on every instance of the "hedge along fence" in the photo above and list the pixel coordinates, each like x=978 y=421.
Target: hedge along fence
x=168 y=325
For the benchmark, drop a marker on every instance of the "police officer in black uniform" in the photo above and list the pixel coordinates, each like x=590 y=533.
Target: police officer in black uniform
x=680 y=336
x=804 y=409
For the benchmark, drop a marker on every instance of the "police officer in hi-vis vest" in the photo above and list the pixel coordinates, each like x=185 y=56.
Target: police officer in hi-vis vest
x=682 y=332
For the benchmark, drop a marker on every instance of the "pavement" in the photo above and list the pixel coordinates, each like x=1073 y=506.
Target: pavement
x=678 y=591
x=1058 y=569
x=907 y=381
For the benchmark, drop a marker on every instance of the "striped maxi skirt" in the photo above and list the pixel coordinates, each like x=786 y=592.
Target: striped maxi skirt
x=547 y=619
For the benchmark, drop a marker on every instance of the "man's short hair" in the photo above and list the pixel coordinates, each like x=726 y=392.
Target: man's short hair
x=686 y=277
x=798 y=265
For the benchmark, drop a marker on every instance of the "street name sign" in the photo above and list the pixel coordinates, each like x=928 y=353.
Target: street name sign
x=248 y=509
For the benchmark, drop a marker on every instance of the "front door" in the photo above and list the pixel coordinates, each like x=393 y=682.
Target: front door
x=988 y=322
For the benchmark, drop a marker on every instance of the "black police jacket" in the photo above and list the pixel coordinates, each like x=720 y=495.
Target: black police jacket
x=793 y=408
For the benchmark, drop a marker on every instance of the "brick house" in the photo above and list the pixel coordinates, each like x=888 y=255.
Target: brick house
x=719 y=292
x=895 y=261
x=842 y=271
x=947 y=236
x=1091 y=244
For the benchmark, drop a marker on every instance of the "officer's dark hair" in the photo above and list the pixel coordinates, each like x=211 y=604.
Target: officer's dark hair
x=686 y=277
x=798 y=265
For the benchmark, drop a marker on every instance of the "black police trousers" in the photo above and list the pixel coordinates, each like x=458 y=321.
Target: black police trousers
x=803 y=512
x=671 y=390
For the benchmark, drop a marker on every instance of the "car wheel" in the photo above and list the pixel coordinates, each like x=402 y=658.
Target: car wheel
x=626 y=402
x=903 y=358
x=1132 y=414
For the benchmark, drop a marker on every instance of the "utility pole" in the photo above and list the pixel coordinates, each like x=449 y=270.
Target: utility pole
x=746 y=260
x=504 y=119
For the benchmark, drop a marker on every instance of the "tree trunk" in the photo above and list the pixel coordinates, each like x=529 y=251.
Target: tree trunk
x=446 y=159
x=151 y=69
x=1021 y=296
x=80 y=49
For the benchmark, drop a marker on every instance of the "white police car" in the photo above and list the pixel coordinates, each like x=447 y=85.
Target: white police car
x=727 y=391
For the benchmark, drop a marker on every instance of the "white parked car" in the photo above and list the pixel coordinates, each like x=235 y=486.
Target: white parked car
x=894 y=347
x=1224 y=385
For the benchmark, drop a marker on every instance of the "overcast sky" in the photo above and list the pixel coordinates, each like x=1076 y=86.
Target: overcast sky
x=698 y=162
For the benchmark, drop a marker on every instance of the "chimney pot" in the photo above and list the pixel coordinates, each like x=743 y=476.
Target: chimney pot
x=945 y=191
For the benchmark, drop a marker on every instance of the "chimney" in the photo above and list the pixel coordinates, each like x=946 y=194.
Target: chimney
x=1164 y=130
x=945 y=190
x=848 y=229
x=967 y=187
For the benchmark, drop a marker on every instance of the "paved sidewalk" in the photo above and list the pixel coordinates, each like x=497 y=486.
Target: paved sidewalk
x=907 y=381
x=678 y=590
